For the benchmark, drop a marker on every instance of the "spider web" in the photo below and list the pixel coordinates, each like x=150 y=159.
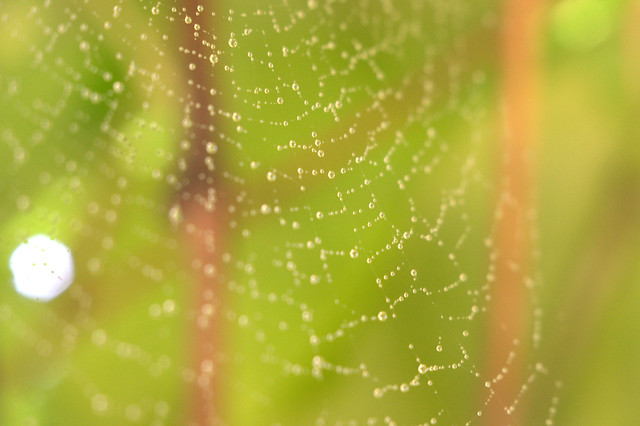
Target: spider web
x=342 y=155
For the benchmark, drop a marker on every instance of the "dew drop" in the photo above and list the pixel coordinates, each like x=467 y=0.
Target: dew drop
x=118 y=87
x=99 y=403
x=175 y=214
x=23 y=202
x=211 y=148
x=265 y=209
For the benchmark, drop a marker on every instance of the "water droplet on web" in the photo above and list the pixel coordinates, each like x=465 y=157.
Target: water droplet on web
x=232 y=41
x=23 y=202
x=175 y=214
x=211 y=148
x=353 y=253
x=155 y=10
x=271 y=177
x=213 y=58
x=314 y=279
x=187 y=19
x=187 y=123
x=99 y=403
x=133 y=413
x=118 y=87
x=382 y=316
x=209 y=270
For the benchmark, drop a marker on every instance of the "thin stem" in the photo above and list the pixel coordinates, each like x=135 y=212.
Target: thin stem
x=200 y=205
x=510 y=302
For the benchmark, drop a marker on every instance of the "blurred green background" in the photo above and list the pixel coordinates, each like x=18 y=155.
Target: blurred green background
x=351 y=153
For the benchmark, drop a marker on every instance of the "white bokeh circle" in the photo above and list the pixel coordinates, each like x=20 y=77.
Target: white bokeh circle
x=42 y=268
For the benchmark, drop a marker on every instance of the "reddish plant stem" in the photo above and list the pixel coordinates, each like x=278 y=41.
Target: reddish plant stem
x=510 y=307
x=200 y=206
x=204 y=399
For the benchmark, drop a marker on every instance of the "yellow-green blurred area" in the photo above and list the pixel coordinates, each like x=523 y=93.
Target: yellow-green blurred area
x=349 y=156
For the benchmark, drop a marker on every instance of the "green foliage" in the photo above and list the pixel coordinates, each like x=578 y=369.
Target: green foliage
x=353 y=156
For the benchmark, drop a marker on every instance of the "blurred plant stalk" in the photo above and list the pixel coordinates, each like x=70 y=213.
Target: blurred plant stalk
x=510 y=323
x=200 y=206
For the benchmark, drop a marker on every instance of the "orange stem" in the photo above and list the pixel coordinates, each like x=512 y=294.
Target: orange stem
x=198 y=199
x=509 y=323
